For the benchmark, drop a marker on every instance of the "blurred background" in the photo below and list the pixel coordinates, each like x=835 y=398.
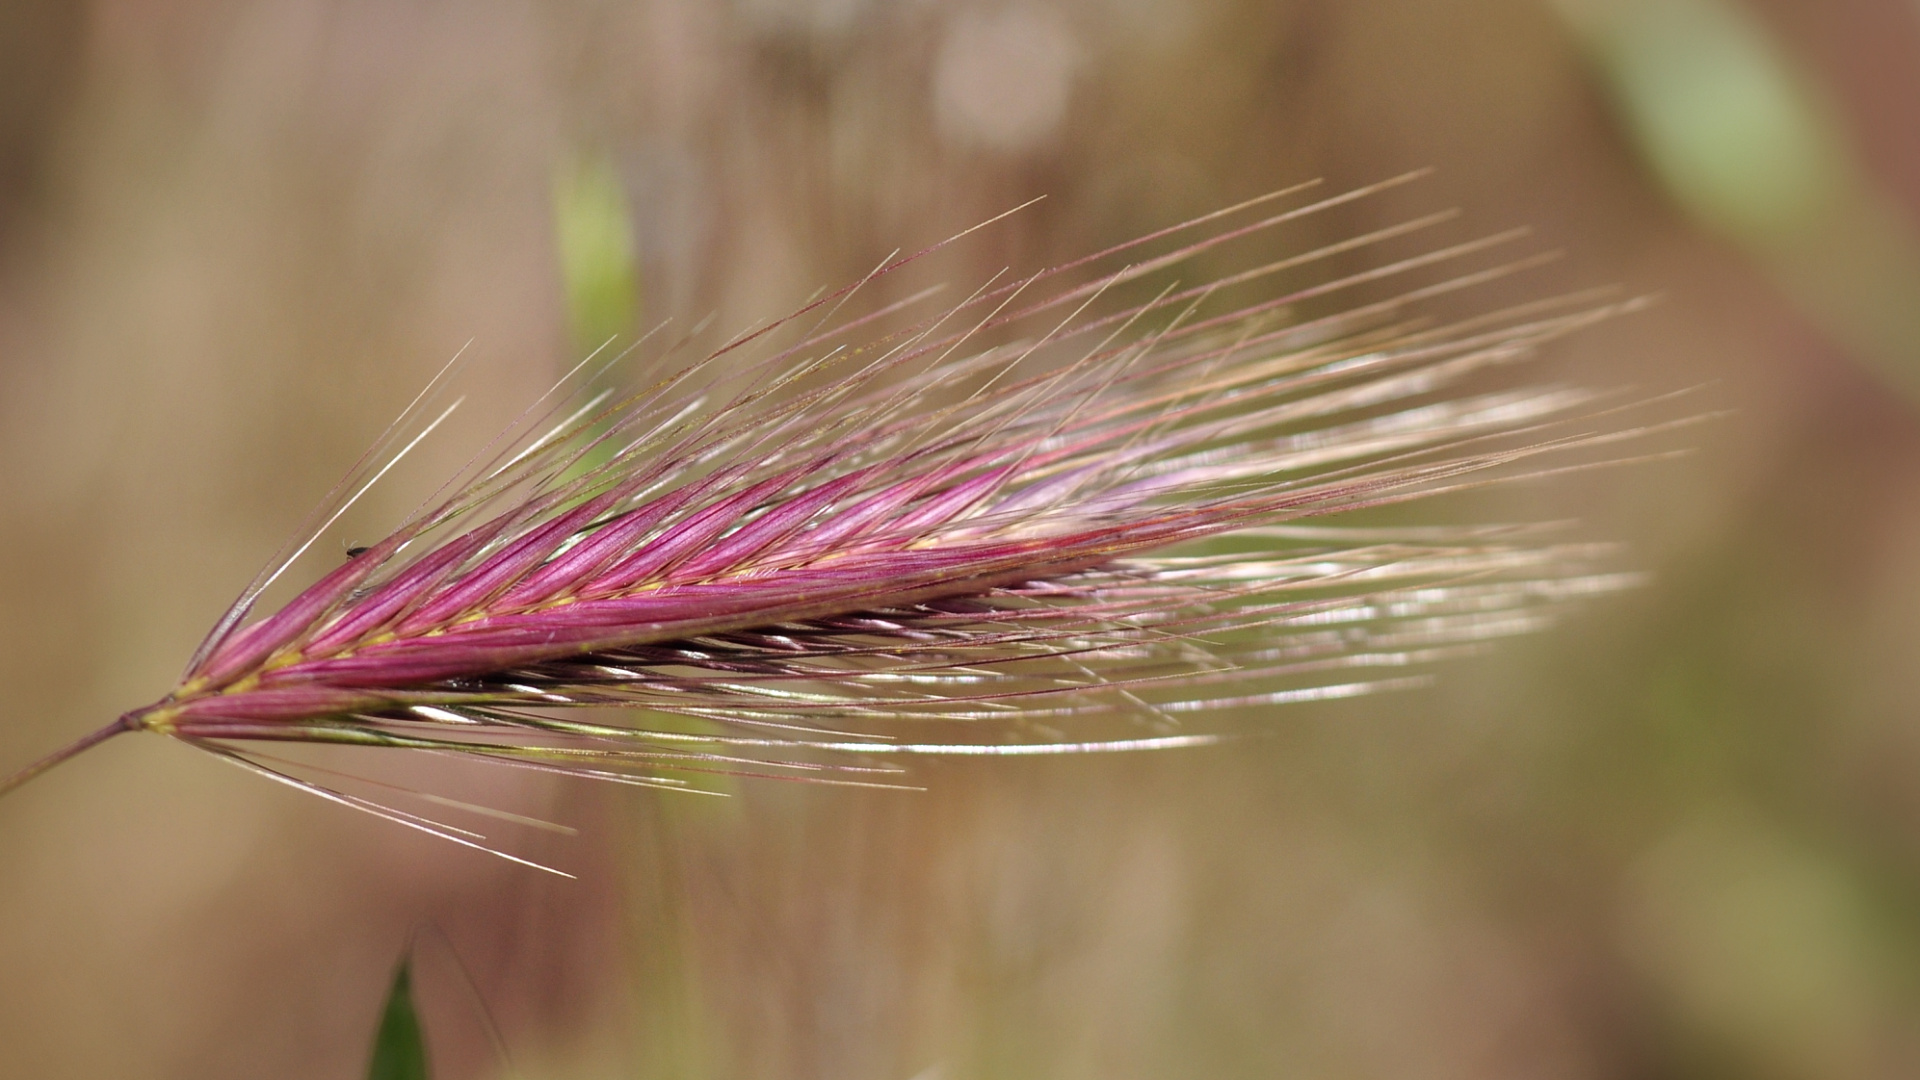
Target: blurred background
x=1677 y=837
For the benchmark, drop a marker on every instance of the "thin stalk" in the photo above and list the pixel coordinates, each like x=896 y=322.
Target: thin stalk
x=85 y=742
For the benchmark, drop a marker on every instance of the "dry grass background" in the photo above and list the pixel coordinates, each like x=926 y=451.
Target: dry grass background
x=1676 y=838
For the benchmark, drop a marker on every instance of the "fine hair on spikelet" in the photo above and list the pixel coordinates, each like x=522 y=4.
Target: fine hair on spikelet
x=1072 y=512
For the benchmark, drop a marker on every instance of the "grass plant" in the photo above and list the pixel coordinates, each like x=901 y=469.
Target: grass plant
x=1079 y=511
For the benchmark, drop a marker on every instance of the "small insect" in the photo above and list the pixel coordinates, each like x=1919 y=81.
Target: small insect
x=1074 y=512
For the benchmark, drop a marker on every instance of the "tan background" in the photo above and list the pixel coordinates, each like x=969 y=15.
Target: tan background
x=1679 y=837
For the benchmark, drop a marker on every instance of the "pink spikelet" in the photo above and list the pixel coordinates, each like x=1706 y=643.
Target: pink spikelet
x=1034 y=522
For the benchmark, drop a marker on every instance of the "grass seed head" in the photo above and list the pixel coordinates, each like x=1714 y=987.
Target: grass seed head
x=1050 y=518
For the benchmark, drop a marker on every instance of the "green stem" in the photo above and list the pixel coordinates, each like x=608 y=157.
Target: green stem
x=85 y=742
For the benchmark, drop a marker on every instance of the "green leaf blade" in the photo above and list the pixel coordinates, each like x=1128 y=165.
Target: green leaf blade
x=400 y=1048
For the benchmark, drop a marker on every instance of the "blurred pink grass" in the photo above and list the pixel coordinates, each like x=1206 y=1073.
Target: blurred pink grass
x=935 y=544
